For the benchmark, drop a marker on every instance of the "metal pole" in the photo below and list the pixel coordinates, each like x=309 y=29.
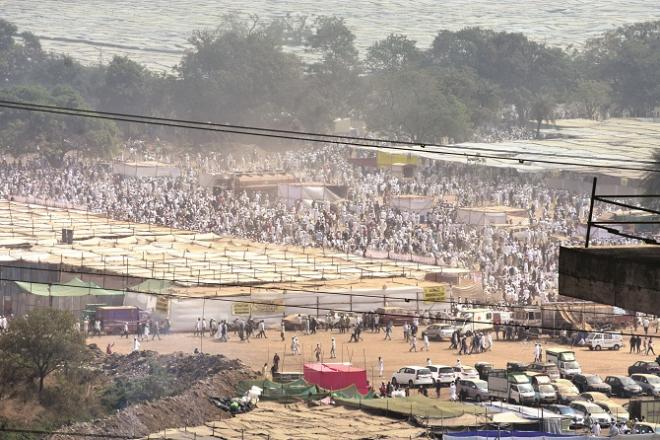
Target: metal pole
x=591 y=211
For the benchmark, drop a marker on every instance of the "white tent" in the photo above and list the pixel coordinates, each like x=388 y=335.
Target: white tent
x=317 y=192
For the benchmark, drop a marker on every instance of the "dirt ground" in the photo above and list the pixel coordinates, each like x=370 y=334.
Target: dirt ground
x=365 y=353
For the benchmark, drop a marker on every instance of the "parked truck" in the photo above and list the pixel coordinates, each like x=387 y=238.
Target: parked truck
x=510 y=387
x=565 y=361
x=113 y=318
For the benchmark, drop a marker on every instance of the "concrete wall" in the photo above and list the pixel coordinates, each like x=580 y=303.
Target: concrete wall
x=626 y=277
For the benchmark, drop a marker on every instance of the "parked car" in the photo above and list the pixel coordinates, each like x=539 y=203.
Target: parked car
x=600 y=341
x=440 y=332
x=442 y=373
x=548 y=368
x=595 y=396
x=645 y=428
x=591 y=382
x=565 y=410
x=413 y=376
x=644 y=367
x=616 y=411
x=483 y=368
x=650 y=383
x=545 y=392
x=566 y=390
x=466 y=372
x=597 y=413
x=472 y=389
x=623 y=386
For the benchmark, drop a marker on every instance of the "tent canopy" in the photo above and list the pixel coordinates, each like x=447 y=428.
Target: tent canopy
x=75 y=287
x=336 y=376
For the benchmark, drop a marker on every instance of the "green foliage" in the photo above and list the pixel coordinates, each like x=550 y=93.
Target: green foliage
x=395 y=52
x=240 y=73
x=231 y=75
x=411 y=105
x=628 y=60
x=156 y=385
x=52 y=135
x=71 y=398
x=43 y=342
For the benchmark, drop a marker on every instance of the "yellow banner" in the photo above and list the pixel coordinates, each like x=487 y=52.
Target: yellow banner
x=388 y=159
x=263 y=308
x=434 y=294
x=162 y=305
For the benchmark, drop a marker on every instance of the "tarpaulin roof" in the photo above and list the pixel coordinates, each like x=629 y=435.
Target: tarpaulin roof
x=75 y=287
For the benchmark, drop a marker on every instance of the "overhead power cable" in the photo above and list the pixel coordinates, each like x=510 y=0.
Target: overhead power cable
x=465 y=151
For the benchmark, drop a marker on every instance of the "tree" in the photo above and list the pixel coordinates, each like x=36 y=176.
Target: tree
x=44 y=341
x=594 y=97
x=410 y=105
x=628 y=59
x=336 y=79
x=393 y=53
x=519 y=67
x=237 y=74
x=542 y=109
x=49 y=134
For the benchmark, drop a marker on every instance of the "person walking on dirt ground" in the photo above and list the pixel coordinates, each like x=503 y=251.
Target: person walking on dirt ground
x=317 y=352
x=649 y=347
x=388 y=331
x=198 y=327
x=156 y=330
x=645 y=324
x=124 y=332
x=333 y=348
x=381 y=366
x=282 y=331
x=427 y=345
x=262 y=330
x=413 y=344
x=276 y=363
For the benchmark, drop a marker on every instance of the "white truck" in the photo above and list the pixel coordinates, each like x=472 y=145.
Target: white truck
x=510 y=387
x=565 y=361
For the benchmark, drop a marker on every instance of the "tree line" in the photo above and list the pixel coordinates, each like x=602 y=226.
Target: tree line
x=299 y=74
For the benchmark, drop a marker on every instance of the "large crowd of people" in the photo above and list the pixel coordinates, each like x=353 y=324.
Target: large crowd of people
x=516 y=265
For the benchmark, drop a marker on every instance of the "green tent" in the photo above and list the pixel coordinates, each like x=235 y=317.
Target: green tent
x=75 y=287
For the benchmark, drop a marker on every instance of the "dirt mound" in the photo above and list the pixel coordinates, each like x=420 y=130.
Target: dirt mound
x=205 y=376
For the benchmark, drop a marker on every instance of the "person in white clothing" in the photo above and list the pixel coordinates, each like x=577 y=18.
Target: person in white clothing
x=458 y=364
x=595 y=429
x=427 y=345
x=136 y=344
x=452 y=392
x=381 y=366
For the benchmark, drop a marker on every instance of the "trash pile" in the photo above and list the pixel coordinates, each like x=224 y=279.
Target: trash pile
x=188 y=369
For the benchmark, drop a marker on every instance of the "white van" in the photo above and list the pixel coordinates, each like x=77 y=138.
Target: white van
x=609 y=341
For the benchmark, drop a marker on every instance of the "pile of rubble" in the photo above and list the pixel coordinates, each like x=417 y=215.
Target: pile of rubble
x=201 y=376
x=188 y=369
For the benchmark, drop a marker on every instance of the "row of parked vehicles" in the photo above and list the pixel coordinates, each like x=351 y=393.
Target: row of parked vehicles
x=558 y=384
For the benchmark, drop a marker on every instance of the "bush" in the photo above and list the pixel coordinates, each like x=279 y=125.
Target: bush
x=124 y=392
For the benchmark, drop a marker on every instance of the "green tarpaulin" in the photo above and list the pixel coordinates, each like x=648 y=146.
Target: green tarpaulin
x=75 y=287
x=152 y=286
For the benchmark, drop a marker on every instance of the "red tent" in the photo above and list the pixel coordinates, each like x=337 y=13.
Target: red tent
x=336 y=376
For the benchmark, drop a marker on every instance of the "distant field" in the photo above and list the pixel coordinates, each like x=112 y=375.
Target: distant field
x=156 y=32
